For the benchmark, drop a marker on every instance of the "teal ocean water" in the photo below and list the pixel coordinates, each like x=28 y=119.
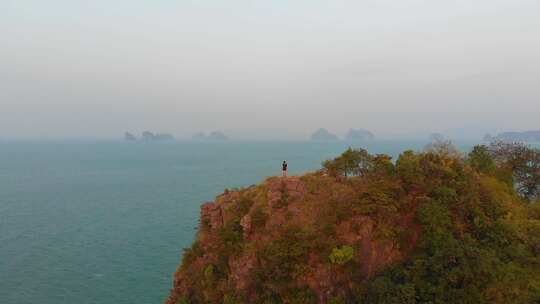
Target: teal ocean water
x=105 y=222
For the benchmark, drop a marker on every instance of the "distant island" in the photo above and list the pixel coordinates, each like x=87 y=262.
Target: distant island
x=323 y=135
x=213 y=136
x=148 y=136
x=359 y=134
x=129 y=137
x=525 y=136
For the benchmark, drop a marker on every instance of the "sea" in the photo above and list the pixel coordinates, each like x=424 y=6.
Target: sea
x=106 y=222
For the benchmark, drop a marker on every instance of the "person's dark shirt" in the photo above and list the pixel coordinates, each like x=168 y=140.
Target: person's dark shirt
x=284 y=166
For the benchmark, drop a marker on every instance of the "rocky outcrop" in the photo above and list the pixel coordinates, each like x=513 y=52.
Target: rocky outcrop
x=282 y=189
x=211 y=215
x=263 y=213
x=380 y=236
x=246 y=225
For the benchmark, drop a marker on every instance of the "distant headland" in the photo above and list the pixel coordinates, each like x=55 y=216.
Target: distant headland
x=525 y=136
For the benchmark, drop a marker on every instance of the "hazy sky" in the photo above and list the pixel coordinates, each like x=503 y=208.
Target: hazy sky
x=276 y=68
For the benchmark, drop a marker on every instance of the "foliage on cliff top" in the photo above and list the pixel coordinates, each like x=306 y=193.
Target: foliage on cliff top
x=431 y=227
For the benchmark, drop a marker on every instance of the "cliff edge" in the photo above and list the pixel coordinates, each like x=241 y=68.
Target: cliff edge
x=430 y=227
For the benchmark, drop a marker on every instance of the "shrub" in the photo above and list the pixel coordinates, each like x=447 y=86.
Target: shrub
x=336 y=300
x=209 y=273
x=230 y=299
x=190 y=254
x=244 y=205
x=283 y=256
x=341 y=256
x=300 y=296
x=182 y=300
x=258 y=218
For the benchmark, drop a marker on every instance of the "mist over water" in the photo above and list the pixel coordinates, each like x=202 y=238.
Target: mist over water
x=268 y=70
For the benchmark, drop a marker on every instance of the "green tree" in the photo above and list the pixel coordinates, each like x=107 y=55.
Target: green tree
x=352 y=162
x=523 y=162
x=481 y=160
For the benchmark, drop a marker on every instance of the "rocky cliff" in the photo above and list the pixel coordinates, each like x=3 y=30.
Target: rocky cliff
x=427 y=228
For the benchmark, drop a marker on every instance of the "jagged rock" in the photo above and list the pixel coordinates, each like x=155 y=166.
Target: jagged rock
x=246 y=225
x=211 y=215
x=227 y=202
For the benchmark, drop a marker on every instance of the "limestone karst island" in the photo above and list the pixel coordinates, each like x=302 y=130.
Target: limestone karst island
x=435 y=226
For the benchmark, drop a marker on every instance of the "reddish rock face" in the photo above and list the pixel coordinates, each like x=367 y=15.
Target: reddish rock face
x=290 y=187
x=273 y=198
x=240 y=272
x=321 y=281
x=246 y=225
x=324 y=279
x=227 y=203
x=211 y=215
x=349 y=235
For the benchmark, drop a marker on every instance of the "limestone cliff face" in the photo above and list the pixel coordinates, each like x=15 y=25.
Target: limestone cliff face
x=278 y=236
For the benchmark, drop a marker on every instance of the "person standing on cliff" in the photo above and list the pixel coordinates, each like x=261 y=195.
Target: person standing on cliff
x=284 y=168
